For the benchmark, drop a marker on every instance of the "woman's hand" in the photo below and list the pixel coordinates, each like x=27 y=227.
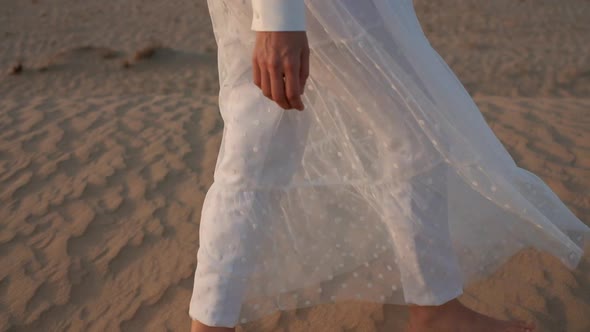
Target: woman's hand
x=281 y=66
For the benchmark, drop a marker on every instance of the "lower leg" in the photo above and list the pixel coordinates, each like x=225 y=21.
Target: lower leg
x=197 y=326
x=453 y=316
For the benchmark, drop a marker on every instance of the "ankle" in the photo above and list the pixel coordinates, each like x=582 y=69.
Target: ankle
x=430 y=314
x=424 y=315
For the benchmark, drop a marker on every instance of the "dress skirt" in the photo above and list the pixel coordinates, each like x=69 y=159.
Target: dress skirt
x=389 y=187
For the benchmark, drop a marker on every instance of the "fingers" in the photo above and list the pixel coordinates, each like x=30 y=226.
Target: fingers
x=520 y=326
x=278 y=85
x=280 y=66
x=304 y=70
x=292 y=84
x=265 y=83
x=286 y=92
x=261 y=77
x=256 y=73
x=270 y=80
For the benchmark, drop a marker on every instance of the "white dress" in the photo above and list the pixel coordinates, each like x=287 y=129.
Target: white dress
x=390 y=187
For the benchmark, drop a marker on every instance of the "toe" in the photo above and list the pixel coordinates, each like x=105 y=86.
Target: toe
x=517 y=329
x=526 y=325
x=520 y=326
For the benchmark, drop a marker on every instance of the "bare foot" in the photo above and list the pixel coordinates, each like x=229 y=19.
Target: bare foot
x=455 y=317
x=197 y=326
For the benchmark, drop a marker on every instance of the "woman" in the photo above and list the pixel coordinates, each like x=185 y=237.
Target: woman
x=389 y=187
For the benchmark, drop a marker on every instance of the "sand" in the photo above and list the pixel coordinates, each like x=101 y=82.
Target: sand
x=109 y=132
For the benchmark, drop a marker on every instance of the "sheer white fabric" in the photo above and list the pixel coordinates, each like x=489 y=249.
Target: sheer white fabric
x=390 y=187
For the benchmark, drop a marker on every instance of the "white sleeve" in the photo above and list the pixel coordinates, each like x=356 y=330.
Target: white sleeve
x=278 y=15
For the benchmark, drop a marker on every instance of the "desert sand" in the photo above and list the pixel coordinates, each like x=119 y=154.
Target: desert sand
x=109 y=132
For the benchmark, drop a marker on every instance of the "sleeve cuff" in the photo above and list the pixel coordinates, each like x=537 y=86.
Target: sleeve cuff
x=278 y=15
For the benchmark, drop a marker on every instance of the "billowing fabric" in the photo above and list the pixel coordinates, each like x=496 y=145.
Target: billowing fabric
x=390 y=187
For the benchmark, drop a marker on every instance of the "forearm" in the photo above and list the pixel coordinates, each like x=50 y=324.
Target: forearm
x=278 y=15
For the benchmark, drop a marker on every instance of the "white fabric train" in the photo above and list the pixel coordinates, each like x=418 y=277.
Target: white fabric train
x=390 y=187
